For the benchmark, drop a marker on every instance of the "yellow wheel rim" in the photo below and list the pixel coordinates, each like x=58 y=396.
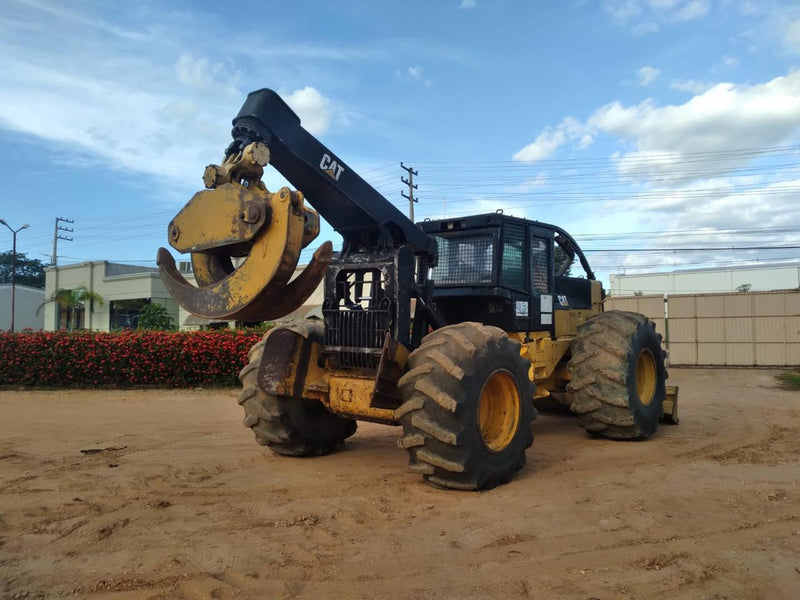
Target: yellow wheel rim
x=498 y=411
x=646 y=377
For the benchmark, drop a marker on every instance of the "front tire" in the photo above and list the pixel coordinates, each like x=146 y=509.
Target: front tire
x=468 y=407
x=618 y=376
x=286 y=425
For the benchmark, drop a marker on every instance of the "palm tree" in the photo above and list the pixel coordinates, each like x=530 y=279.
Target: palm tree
x=72 y=301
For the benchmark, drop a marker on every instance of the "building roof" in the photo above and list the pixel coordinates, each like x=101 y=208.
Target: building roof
x=747 y=267
x=111 y=269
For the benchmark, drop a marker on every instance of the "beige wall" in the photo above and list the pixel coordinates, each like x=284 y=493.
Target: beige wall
x=750 y=329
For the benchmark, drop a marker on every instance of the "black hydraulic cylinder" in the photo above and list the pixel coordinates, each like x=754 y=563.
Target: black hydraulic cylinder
x=354 y=208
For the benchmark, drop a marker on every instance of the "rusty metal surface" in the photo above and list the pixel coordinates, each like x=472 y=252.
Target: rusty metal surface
x=291 y=363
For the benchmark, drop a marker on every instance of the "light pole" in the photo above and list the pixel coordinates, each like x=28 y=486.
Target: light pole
x=14 y=233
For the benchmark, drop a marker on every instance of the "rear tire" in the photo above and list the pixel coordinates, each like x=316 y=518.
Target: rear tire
x=286 y=425
x=618 y=377
x=468 y=407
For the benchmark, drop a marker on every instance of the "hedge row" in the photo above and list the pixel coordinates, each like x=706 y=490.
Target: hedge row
x=124 y=359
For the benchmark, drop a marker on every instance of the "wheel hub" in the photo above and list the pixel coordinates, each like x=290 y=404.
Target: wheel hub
x=646 y=377
x=498 y=411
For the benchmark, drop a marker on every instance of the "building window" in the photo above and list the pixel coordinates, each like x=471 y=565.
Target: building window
x=513 y=269
x=124 y=314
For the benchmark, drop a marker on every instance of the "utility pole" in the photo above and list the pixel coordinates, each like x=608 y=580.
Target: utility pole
x=411 y=187
x=57 y=236
x=14 y=233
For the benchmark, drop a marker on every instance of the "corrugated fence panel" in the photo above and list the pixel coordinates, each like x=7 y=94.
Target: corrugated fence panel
x=733 y=329
x=793 y=330
x=682 y=330
x=710 y=306
x=738 y=305
x=711 y=330
x=738 y=329
x=652 y=306
x=631 y=304
x=739 y=354
x=770 y=329
x=792 y=303
x=683 y=354
x=681 y=307
x=793 y=354
x=767 y=305
x=710 y=354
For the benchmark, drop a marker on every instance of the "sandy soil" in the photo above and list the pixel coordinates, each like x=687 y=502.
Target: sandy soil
x=186 y=505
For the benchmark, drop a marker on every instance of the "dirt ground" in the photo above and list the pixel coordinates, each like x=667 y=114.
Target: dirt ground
x=182 y=503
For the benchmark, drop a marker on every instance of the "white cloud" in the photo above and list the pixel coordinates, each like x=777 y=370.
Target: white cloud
x=646 y=16
x=133 y=100
x=205 y=76
x=791 y=38
x=726 y=202
x=413 y=74
x=543 y=146
x=730 y=62
x=313 y=108
x=690 y=85
x=647 y=75
x=724 y=117
x=749 y=8
x=645 y=28
x=691 y=11
x=466 y=4
x=685 y=161
x=686 y=165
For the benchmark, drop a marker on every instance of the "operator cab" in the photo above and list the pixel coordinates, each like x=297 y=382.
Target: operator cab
x=501 y=270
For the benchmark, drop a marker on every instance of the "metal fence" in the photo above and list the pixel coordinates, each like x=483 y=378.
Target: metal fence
x=731 y=329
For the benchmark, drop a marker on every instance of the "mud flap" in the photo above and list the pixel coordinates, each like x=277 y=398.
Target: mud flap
x=670 y=413
x=285 y=361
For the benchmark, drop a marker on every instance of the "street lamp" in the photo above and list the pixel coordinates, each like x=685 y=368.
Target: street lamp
x=14 y=233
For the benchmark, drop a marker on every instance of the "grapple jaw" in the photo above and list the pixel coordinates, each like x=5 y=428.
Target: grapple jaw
x=245 y=242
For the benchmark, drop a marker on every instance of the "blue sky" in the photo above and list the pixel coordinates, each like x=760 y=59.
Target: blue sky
x=668 y=125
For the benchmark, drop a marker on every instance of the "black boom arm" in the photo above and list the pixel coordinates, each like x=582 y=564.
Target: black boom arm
x=353 y=207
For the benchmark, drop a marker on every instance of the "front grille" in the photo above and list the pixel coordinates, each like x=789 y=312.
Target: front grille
x=356 y=336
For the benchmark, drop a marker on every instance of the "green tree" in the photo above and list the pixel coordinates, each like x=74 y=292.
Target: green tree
x=72 y=301
x=30 y=271
x=155 y=317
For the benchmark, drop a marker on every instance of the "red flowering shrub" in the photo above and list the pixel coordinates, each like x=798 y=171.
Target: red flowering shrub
x=125 y=359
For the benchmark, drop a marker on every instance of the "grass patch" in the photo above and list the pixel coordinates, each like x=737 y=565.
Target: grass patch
x=790 y=379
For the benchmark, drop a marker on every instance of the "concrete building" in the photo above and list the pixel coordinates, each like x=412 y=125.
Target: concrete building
x=766 y=277
x=125 y=289
x=26 y=303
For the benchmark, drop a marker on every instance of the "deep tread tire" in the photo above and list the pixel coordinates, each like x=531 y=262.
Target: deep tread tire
x=440 y=413
x=603 y=376
x=289 y=426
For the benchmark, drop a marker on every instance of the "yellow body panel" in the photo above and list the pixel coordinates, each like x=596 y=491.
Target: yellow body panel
x=227 y=215
x=351 y=396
